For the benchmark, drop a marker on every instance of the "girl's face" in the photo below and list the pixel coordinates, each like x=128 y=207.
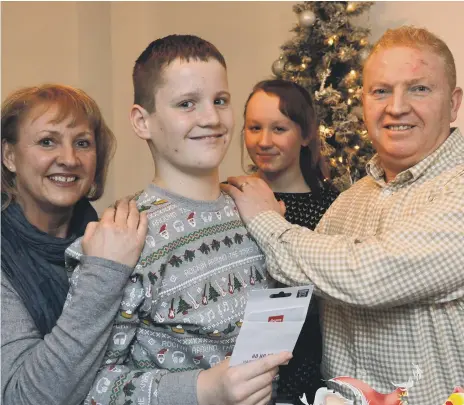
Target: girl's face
x=273 y=140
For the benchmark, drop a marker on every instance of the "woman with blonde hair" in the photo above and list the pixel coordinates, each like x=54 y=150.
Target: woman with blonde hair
x=56 y=149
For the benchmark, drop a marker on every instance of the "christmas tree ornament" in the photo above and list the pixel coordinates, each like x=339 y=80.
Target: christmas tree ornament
x=278 y=67
x=327 y=60
x=351 y=6
x=363 y=54
x=307 y=18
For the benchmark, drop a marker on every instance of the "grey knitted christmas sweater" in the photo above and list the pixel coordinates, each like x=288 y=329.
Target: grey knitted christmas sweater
x=182 y=309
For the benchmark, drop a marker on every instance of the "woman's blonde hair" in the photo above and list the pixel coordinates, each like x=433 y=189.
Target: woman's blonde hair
x=70 y=102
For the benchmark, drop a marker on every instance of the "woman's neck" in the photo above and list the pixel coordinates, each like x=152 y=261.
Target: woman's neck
x=285 y=182
x=53 y=221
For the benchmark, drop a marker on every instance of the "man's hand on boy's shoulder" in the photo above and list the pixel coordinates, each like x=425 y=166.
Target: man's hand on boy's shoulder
x=252 y=196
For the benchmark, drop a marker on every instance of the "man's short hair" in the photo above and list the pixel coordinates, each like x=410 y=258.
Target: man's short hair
x=418 y=38
x=148 y=70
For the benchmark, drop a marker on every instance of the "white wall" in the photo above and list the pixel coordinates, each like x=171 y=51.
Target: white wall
x=93 y=45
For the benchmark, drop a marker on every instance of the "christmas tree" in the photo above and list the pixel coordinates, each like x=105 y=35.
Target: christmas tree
x=183 y=306
x=326 y=57
x=213 y=294
x=237 y=284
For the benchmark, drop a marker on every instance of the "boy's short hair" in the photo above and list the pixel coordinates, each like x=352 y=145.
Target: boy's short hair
x=148 y=70
x=418 y=38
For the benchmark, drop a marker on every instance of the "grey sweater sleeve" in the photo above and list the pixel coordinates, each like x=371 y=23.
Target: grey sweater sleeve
x=60 y=368
x=124 y=380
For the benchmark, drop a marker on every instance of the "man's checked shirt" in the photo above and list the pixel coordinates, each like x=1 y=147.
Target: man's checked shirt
x=389 y=260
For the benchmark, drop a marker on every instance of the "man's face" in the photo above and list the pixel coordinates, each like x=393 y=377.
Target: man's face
x=192 y=125
x=408 y=105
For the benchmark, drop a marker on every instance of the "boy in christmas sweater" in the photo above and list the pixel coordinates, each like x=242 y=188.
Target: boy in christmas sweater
x=183 y=307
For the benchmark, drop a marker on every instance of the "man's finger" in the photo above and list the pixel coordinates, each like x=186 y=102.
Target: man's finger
x=237 y=181
x=233 y=191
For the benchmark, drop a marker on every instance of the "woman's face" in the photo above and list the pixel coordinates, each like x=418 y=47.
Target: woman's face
x=54 y=163
x=273 y=140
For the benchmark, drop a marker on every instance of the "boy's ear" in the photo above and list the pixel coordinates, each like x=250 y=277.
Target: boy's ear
x=8 y=156
x=139 y=120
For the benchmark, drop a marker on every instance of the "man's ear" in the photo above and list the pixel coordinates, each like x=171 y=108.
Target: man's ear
x=139 y=120
x=8 y=156
x=456 y=98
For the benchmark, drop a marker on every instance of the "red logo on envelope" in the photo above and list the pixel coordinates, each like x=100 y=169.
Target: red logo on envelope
x=276 y=318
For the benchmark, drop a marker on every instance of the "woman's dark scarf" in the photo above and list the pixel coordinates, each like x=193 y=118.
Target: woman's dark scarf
x=28 y=259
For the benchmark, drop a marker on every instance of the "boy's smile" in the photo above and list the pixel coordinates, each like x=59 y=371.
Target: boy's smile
x=191 y=127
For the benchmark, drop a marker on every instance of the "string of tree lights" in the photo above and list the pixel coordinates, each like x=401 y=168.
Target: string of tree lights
x=326 y=56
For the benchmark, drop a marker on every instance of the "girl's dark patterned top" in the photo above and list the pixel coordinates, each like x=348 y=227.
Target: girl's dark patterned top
x=302 y=374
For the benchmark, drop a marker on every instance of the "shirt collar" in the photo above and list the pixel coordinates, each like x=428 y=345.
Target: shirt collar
x=375 y=170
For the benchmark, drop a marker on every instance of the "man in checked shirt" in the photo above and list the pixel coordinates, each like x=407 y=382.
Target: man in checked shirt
x=388 y=256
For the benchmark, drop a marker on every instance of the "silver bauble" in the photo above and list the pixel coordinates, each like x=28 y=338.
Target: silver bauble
x=278 y=67
x=307 y=18
x=363 y=54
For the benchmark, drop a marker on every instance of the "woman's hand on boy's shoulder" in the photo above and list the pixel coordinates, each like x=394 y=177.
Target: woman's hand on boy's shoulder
x=119 y=235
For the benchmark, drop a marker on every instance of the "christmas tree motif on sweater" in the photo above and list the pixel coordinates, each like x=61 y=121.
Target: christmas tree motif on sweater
x=189 y=255
x=152 y=277
x=227 y=241
x=162 y=270
x=229 y=329
x=129 y=388
x=144 y=208
x=128 y=402
x=215 y=245
x=238 y=238
x=213 y=294
x=175 y=261
x=237 y=284
x=258 y=275
x=204 y=248
x=183 y=306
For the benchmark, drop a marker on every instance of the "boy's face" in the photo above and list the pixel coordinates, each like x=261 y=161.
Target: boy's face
x=192 y=125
